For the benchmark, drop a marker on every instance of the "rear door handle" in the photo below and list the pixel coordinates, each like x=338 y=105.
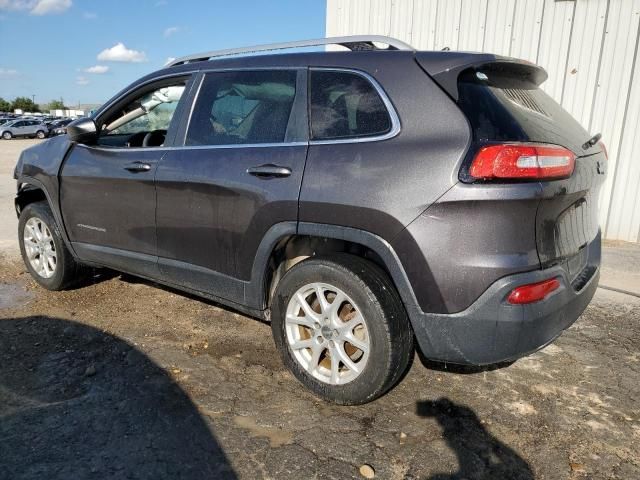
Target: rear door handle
x=137 y=167
x=269 y=170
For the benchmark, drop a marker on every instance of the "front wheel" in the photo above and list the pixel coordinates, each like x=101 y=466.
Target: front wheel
x=40 y=134
x=7 y=135
x=341 y=328
x=43 y=250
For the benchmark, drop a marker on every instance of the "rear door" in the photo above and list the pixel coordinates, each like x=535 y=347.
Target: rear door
x=237 y=173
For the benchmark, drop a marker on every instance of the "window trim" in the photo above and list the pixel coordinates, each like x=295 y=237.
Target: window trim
x=130 y=93
x=393 y=114
x=182 y=143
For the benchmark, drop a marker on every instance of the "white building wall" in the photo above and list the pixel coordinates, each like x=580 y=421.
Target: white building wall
x=588 y=47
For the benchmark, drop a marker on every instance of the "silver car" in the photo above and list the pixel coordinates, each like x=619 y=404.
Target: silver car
x=23 y=128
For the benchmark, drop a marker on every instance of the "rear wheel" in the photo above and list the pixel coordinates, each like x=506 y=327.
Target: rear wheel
x=7 y=135
x=40 y=134
x=341 y=328
x=43 y=250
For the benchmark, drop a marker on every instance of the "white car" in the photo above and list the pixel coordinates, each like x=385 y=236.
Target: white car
x=23 y=128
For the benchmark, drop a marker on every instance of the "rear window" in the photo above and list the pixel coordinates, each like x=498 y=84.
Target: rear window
x=501 y=106
x=345 y=105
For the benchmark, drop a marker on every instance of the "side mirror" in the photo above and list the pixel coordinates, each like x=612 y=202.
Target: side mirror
x=83 y=130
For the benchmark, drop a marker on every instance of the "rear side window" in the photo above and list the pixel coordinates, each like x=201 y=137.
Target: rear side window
x=242 y=108
x=345 y=105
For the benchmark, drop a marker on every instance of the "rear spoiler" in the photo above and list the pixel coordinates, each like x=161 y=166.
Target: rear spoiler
x=446 y=67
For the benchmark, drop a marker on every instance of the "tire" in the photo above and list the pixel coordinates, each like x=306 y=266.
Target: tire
x=40 y=134
x=7 y=135
x=385 y=330
x=66 y=271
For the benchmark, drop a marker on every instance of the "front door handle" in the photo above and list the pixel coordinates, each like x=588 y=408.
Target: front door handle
x=137 y=167
x=269 y=170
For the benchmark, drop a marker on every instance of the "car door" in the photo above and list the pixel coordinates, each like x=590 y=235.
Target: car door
x=107 y=190
x=33 y=127
x=236 y=175
x=19 y=129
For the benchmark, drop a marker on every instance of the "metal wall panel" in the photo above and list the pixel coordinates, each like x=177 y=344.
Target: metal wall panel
x=588 y=47
x=527 y=24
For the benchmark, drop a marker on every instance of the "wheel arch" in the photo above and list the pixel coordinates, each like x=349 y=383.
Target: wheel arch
x=271 y=256
x=31 y=190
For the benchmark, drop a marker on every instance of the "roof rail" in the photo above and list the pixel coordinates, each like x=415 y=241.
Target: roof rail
x=353 y=42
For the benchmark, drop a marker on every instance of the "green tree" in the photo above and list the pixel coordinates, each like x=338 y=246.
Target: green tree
x=25 y=104
x=55 y=105
x=4 y=105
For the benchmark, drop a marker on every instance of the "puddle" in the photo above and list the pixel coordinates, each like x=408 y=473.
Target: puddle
x=276 y=437
x=13 y=296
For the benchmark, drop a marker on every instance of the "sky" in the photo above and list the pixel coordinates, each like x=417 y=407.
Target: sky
x=85 y=51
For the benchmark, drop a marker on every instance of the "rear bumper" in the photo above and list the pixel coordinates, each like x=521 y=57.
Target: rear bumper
x=492 y=330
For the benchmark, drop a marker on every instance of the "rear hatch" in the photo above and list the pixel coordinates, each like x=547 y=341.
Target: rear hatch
x=504 y=103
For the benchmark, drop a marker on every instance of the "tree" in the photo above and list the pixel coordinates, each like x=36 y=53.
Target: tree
x=25 y=104
x=4 y=105
x=55 y=105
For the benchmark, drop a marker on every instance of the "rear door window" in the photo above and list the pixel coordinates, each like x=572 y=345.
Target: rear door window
x=243 y=107
x=345 y=105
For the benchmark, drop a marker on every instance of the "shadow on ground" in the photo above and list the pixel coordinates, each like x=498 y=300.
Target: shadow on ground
x=480 y=455
x=76 y=402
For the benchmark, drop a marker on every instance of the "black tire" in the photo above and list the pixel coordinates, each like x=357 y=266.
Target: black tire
x=67 y=271
x=389 y=329
x=40 y=134
x=7 y=135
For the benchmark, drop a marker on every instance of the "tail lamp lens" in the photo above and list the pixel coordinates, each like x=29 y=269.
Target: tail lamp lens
x=522 y=161
x=533 y=292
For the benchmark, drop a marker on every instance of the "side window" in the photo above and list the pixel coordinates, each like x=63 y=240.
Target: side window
x=345 y=105
x=242 y=107
x=148 y=114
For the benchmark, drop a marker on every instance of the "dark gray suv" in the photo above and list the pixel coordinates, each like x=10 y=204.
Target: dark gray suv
x=356 y=199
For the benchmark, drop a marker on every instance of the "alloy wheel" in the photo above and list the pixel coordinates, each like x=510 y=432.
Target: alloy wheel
x=327 y=333
x=39 y=247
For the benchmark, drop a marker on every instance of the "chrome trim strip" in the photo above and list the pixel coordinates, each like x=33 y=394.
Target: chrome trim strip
x=241 y=145
x=191 y=147
x=395 y=119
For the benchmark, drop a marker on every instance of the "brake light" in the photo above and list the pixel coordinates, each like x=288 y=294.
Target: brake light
x=521 y=160
x=534 y=292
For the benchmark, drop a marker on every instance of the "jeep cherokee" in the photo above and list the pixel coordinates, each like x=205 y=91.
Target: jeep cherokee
x=359 y=200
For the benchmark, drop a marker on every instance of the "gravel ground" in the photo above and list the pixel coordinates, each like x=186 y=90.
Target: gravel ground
x=121 y=378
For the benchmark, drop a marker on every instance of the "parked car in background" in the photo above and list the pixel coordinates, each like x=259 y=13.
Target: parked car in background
x=23 y=128
x=359 y=201
x=59 y=127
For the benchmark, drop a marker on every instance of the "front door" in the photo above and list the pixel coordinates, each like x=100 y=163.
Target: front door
x=107 y=190
x=237 y=174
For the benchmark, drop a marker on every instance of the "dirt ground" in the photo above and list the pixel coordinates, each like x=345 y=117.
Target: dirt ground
x=120 y=378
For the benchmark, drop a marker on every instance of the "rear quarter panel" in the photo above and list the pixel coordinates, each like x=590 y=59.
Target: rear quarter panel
x=381 y=186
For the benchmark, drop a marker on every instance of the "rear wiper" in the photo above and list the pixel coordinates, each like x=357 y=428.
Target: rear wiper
x=592 y=141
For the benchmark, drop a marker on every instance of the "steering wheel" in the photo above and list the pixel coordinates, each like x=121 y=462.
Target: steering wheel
x=154 y=138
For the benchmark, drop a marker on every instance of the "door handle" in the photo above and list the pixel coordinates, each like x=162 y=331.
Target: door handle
x=137 y=167
x=269 y=170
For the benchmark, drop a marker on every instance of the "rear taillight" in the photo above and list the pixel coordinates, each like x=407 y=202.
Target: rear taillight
x=522 y=161
x=533 y=292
